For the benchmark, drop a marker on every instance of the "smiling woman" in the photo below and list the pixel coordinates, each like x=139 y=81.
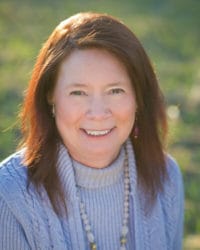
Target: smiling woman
x=91 y=172
x=94 y=106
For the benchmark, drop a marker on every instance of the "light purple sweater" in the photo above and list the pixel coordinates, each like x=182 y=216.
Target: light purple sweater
x=27 y=220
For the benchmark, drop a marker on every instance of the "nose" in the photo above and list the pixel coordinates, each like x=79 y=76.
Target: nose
x=98 y=109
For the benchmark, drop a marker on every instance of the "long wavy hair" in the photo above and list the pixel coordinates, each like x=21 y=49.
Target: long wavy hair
x=40 y=135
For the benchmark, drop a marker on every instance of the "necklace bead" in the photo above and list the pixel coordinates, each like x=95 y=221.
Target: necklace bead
x=124 y=230
x=90 y=237
x=123 y=240
x=93 y=246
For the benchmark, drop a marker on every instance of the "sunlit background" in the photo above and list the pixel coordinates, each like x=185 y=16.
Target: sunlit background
x=169 y=31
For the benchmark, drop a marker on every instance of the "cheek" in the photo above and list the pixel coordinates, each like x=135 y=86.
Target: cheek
x=67 y=113
x=126 y=110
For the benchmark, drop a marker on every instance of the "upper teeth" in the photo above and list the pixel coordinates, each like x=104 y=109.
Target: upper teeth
x=97 y=132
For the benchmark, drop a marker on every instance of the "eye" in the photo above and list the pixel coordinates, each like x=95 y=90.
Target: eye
x=77 y=92
x=116 y=91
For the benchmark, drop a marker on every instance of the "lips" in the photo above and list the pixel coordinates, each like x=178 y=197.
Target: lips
x=97 y=133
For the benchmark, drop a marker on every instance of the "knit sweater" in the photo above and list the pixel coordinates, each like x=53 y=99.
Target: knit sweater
x=27 y=220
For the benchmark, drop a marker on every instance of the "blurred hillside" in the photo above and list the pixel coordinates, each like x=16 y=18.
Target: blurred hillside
x=169 y=30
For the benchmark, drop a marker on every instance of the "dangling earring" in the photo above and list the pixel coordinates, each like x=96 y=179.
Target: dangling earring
x=135 y=129
x=136 y=132
x=53 y=110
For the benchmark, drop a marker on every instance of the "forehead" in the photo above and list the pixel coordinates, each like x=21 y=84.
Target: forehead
x=92 y=62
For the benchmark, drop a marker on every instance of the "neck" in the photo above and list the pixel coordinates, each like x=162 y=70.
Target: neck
x=96 y=178
x=97 y=161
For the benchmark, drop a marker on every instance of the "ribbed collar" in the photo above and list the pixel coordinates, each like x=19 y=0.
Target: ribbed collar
x=88 y=177
x=67 y=175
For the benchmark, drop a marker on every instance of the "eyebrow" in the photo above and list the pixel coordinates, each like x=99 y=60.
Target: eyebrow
x=84 y=84
x=81 y=85
x=77 y=85
x=114 y=84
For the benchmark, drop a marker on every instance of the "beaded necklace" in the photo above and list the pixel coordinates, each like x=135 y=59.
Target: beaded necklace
x=125 y=229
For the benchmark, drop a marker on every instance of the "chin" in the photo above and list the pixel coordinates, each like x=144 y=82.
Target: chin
x=106 y=152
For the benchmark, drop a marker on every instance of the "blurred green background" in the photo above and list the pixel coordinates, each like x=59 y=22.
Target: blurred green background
x=169 y=31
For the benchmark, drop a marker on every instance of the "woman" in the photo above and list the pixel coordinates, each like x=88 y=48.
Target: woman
x=92 y=172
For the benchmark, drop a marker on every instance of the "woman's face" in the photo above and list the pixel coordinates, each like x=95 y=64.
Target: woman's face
x=95 y=106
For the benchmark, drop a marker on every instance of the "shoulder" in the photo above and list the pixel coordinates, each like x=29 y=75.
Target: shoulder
x=14 y=161
x=174 y=175
x=13 y=165
x=172 y=197
x=14 y=190
x=172 y=203
x=173 y=168
x=22 y=209
x=13 y=174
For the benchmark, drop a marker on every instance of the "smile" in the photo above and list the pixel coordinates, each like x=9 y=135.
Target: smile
x=98 y=132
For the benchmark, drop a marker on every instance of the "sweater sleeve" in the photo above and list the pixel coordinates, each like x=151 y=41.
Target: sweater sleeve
x=177 y=203
x=12 y=236
x=177 y=244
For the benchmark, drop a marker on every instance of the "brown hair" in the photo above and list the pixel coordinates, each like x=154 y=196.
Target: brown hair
x=40 y=136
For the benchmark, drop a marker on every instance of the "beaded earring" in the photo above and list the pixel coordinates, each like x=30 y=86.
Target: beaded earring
x=135 y=132
x=53 y=110
x=136 y=129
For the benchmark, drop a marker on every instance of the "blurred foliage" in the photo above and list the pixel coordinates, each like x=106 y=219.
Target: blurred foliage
x=169 y=31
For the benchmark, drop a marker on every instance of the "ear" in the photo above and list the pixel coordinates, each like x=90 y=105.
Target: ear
x=50 y=98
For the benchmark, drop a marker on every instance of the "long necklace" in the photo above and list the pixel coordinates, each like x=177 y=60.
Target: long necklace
x=124 y=229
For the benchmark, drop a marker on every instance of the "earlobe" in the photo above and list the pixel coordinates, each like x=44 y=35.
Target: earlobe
x=50 y=101
x=50 y=98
